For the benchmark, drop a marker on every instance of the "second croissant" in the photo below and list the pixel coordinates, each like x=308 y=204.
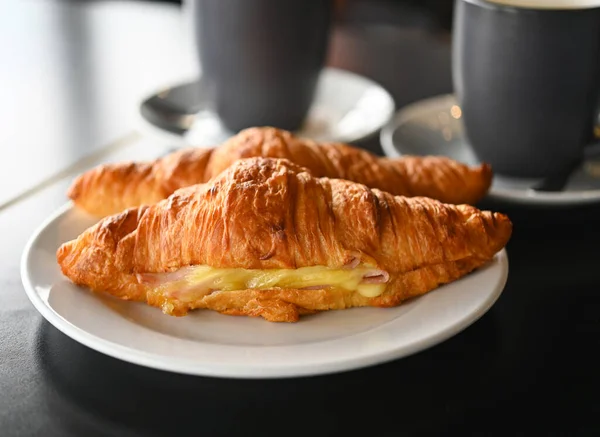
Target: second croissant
x=112 y=188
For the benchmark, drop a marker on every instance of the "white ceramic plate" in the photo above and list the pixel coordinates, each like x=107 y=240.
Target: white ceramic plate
x=433 y=127
x=347 y=108
x=212 y=344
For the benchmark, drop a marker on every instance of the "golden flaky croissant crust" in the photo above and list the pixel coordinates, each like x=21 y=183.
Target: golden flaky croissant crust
x=111 y=188
x=265 y=213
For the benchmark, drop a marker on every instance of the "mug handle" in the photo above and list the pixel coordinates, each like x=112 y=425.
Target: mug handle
x=592 y=150
x=595 y=134
x=557 y=181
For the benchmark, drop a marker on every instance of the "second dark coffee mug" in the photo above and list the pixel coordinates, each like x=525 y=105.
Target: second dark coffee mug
x=261 y=59
x=527 y=77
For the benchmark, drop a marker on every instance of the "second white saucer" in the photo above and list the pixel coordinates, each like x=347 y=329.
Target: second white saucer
x=434 y=127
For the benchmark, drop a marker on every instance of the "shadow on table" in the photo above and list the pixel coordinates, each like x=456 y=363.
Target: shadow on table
x=125 y=396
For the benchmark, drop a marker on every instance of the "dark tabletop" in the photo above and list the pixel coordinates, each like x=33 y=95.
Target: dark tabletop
x=527 y=367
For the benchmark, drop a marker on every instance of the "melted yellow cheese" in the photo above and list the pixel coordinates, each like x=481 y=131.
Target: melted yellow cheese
x=229 y=279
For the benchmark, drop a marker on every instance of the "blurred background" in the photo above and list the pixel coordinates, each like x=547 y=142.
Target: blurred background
x=78 y=69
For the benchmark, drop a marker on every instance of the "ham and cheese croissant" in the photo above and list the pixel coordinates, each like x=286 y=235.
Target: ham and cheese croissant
x=111 y=188
x=266 y=238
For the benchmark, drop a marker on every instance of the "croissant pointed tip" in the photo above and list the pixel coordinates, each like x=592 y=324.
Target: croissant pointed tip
x=62 y=252
x=492 y=229
x=63 y=257
x=500 y=230
x=483 y=179
x=487 y=172
x=74 y=190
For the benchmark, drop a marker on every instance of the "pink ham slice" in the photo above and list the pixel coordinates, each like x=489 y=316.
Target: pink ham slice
x=163 y=278
x=353 y=263
x=376 y=277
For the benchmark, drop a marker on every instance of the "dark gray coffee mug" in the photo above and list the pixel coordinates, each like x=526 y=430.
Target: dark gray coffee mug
x=528 y=83
x=261 y=59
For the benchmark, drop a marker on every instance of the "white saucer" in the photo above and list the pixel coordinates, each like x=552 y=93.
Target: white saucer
x=433 y=127
x=212 y=344
x=347 y=108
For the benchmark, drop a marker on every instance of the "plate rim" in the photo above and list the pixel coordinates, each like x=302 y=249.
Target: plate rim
x=239 y=371
x=145 y=126
x=525 y=197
